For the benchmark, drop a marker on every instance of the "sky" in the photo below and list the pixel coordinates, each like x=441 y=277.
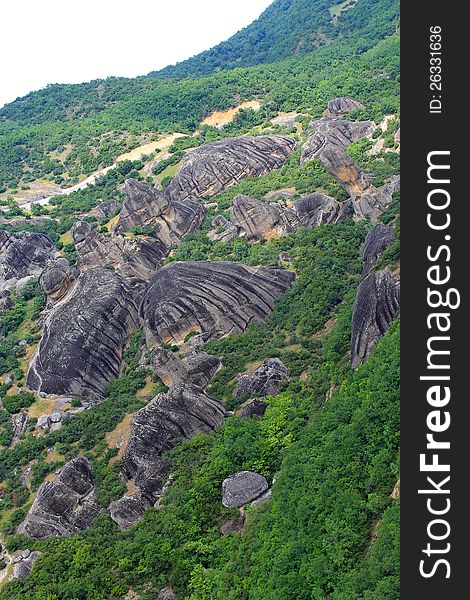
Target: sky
x=65 y=41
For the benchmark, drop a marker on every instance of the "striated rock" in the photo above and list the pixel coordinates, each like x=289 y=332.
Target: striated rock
x=23 y=562
x=176 y=415
x=197 y=367
x=317 y=209
x=57 y=279
x=243 y=487
x=376 y=306
x=135 y=257
x=84 y=336
x=146 y=206
x=213 y=297
x=377 y=241
x=23 y=253
x=256 y=407
x=210 y=169
x=265 y=381
x=342 y=106
x=223 y=230
x=259 y=220
x=64 y=506
x=127 y=511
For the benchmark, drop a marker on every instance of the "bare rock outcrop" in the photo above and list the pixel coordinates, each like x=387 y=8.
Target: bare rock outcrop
x=255 y=407
x=242 y=488
x=133 y=257
x=214 y=297
x=106 y=210
x=210 y=169
x=317 y=209
x=64 y=506
x=377 y=241
x=145 y=206
x=265 y=381
x=23 y=562
x=179 y=414
x=128 y=510
x=57 y=279
x=223 y=230
x=83 y=337
x=22 y=254
x=342 y=106
x=6 y=301
x=376 y=306
x=197 y=367
x=260 y=220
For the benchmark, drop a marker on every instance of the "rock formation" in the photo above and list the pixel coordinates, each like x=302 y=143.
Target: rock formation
x=223 y=230
x=197 y=367
x=342 y=106
x=64 y=506
x=84 y=335
x=57 y=279
x=243 y=487
x=171 y=220
x=214 y=297
x=260 y=220
x=106 y=210
x=265 y=381
x=317 y=209
x=376 y=306
x=377 y=241
x=22 y=254
x=6 y=301
x=128 y=510
x=210 y=169
x=135 y=257
x=176 y=415
x=23 y=561
x=256 y=407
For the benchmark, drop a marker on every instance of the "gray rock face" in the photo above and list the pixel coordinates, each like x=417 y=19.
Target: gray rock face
x=127 y=511
x=224 y=231
x=24 y=253
x=258 y=220
x=176 y=415
x=377 y=241
x=197 y=367
x=106 y=210
x=343 y=105
x=171 y=220
x=212 y=168
x=57 y=279
x=256 y=407
x=243 y=487
x=23 y=561
x=64 y=506
x=19 y=422
x=83 y=337
x=328 y=142
x=214 y=297
x=317 y=209
x=5 y=301
x=265 y=381
x=135 y=257
x=376 y=306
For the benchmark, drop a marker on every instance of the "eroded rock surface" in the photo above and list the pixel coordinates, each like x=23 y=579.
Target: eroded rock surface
x=57 y=279
x=132 y=257
x=265 y=381
x=260 y=220
x=214 y=297
x=64 y=506
x=210 y=169
x=127 y=511
x=255 y=407
x=317 y=209
x=377 y=241
x=179 y=414
x=22 y=254
x=243 y=487
x=342 y=105
x=376 y=306
x=23 y=561
x=83 y=337
x=145 y=206
x=197 y=367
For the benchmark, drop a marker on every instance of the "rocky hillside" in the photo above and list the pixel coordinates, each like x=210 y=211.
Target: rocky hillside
x=199 y=348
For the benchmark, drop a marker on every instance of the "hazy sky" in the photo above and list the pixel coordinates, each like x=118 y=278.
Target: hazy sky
x=64 y=41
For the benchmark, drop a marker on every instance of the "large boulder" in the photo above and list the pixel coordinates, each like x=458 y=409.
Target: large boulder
x=83 y=337
x=260 y=220
x=210 y=169
x=196 y=367
x=22 y=254
x=145 y=206
x=127 y=511
x=377 y=241
x=342 y=106
x=376 y=306
x=317 y=209
x=179 y=414
x=265 y=381
x=57 y=279
x=64 y=506
x=243 y=487
x=214 y=297
x=133 y=257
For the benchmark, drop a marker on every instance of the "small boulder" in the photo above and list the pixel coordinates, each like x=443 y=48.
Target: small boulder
x=256 y=407
x=265 y=381
x=242 y=488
